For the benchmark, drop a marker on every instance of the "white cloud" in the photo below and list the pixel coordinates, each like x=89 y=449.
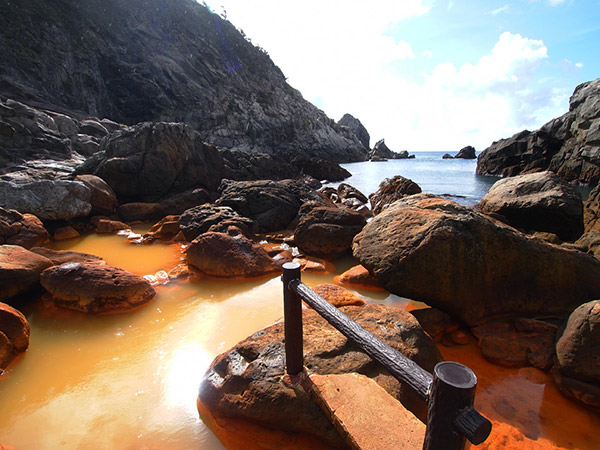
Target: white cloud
x=337 y=53
x=556 y=2
x=502 y=9
x=579 y=65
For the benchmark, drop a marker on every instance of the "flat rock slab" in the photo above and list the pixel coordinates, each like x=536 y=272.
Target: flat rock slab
x=364 y=413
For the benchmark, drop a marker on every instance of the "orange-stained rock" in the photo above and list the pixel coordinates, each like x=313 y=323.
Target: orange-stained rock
x=517 y=342
x=470 y=266
x=365 y=415
x=65 y=233
x=247 y=381
x=165 y=229
x=95 y=288
x=390 y=190
x=436 y=323
x=283 y=257
x=20 y=270
x=338 y=296
x=359 y=276
x=59 y=257
x=25 y=230
x=314 y=264
x=106 y=226
x=14 y=334
x=222 y=255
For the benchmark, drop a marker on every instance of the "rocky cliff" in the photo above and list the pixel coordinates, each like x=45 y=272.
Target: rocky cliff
x=160 y=60
x=568 y=146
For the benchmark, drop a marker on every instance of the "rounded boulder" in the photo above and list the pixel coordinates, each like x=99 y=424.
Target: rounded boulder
x=95 y=288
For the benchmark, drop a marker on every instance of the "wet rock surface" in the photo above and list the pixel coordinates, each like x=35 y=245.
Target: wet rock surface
x=14 y=334
x=247 y=381
x=95 y=288
x=537 y=202
x=20 y=270
x=226 y=256
x=480 y=267
x=59 y=257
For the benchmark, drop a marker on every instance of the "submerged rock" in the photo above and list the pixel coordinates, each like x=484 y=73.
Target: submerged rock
x=14 y=334
x=247 y=381
x=578 y=355
x=95 y=288
x=225 y=256
x=20 y=270
x=537 y=202
x=433 y=250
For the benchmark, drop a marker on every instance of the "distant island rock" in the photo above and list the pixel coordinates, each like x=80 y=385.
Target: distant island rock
x=467 y=152
x=568 y=145
x=381 y=152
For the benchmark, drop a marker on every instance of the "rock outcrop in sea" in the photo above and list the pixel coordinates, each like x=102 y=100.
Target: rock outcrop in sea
x=568 y=146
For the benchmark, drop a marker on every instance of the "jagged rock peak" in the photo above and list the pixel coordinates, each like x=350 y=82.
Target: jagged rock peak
x=159 y=60
x=357 y=128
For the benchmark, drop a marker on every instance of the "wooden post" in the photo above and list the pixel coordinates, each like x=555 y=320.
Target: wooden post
x=451 y=417
x=292 y=313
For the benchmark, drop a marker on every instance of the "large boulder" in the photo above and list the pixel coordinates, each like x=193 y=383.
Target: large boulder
x=390 y=190
x=103 y=199
x=568 y=145
x=470 y=266
x=272 y=205
x=203 y=218
x=25 y=230
x=95 y=288
x=14 y=334
x=247 y=381
x=328 y=231
x=225 y=256
x=46 y=199
x=20 y=270
x=153 y=160
x=578 y=355
x=537 y=202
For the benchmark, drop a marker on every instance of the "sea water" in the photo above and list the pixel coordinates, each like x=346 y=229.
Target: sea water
x=453 y=178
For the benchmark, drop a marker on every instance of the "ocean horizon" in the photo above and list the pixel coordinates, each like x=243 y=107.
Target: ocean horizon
x=452 y=178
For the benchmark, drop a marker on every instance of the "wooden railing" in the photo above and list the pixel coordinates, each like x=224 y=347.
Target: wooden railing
x=449 y=392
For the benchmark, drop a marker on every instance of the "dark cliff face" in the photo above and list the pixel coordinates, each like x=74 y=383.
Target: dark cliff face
x=568 y=145
x=159 y=60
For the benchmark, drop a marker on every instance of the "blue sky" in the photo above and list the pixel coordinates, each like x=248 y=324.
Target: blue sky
x=426 y=74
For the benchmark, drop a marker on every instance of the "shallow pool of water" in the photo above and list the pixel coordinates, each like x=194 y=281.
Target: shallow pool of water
x=129 y=381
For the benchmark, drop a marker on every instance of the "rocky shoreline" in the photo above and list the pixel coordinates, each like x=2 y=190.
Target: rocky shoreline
x=228 y=164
